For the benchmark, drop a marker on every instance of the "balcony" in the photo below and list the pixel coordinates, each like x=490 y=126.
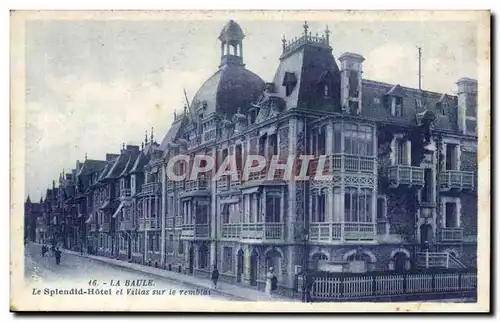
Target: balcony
x=195 y=231
x=451 y=235
x=151 y=189
x=126 y=225
x=254 y=232
x=405 y=175
x=456 y=180
x=328 y=232
x=339 y=162
x=196 y=185
x=149 y=223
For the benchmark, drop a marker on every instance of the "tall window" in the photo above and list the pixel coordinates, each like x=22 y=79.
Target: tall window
x=401 y=152
x=353 y=84
x=180 y=249
x=426 y=194
x=318 y=210
x=451 y=157
x=225 y=213
x=337 y=138
x=170 y=244
x=326 y=91
x=451 y=214
x=202 y=213
x=381 y=208
x=398 y=106
x=358 y=140
x=273 y=209
x=357 y=206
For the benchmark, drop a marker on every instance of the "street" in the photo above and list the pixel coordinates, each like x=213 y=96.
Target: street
x=75 y=271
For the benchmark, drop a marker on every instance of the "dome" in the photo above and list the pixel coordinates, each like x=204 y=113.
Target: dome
x=230 y=88
x=231 y=32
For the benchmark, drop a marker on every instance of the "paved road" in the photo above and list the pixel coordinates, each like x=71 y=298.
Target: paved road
x=76 y=271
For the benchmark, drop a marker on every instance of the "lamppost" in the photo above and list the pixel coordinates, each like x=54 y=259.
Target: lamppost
x=305 y=267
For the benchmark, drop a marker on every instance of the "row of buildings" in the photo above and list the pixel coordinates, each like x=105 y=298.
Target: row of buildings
x=402 y=193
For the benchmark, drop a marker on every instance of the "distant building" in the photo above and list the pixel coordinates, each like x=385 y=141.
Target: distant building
x=402 y=194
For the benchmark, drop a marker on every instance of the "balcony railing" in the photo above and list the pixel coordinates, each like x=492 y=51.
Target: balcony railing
x=149 y=223
x=451 y=235
x=196 y=185
x=125 y=193
x=193 y=231
x=151 y=188
x=254 y=232
x=343 y=162
x=456 y=179
x=406 y=175
x=348 y=231
x=432 y=260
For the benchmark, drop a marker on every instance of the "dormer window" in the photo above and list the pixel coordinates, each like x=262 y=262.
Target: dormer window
x=397 y=106
x=326 y=91
x=289 y=81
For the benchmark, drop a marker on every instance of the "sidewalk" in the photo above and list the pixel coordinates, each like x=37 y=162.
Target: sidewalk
x=232 y=290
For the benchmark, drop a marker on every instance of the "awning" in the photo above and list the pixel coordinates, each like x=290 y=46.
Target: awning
x=118 y=210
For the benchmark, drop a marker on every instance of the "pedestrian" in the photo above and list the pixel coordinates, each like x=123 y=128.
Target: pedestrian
x=53 y=249
x=271 y=282
x=44 y=250
x=215 y=276
x=57 y=254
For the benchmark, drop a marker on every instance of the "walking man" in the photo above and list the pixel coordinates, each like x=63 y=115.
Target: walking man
x=215 y=276
x=57 y=254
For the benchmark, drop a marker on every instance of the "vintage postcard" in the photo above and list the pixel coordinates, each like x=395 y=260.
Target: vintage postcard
x=250 y=161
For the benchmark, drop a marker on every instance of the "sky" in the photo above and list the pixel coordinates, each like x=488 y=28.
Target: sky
x=93 y=85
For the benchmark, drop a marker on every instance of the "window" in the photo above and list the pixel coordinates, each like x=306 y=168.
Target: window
x=318 y=210
x=451 y=157
x=418 y=102
x=357 y=206
x=381 y=208
x=397 y=106
x=353 y=84
x=289 y=89
x=358 y=140
x=322 y=141
x=273 y=209
x=239 y=158
x=272 y=147
x=337 y=138
x=426 y=194
x=451 y=215
x=170 y=244
x=180 y=249
x=227 y=256
x=150 y=241
x=225 y=213
x=401 y=153
x=326 y=91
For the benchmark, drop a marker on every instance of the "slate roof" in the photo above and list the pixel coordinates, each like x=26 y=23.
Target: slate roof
x=91 y=166
x=171 y=135
x=117 y=167
x=231 y=32
x=232 y=86
x=139 y=163
x=308 y=67
x=130 y=164
x=373 y=95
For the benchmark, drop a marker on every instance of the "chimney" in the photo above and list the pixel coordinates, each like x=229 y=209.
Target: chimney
x=467 y=106
x=351 y=70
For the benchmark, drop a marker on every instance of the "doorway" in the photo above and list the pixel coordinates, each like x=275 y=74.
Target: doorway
x=425 y=235
x=191 y=260
x=239 y=267
x=254 y=262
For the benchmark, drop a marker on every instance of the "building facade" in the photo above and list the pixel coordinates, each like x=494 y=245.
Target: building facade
x=402 y=164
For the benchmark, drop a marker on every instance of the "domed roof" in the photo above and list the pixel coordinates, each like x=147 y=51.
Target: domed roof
x=230 y=88
x=231 y=32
